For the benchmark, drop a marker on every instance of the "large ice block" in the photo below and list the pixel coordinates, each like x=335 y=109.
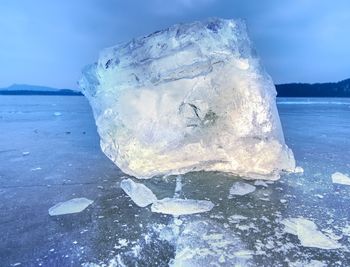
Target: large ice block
x=188 y=98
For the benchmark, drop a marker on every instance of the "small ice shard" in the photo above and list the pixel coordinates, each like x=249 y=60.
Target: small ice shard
x=139 y=193
x=177 y=207
x=57 y=113
x=36 y=169
x=25 y=153
x=340 y=178
x=188 y=98
x=241 y=189
x=236 y=218
x=298 y=169
x=74 y=205
x=260 y=183
x=346 y=230
x=307 y=233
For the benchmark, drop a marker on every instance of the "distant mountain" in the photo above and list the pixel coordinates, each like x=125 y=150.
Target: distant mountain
x=338 y=89
x=24 y=89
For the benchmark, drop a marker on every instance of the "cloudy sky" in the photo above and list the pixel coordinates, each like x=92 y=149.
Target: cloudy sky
x=48 y=42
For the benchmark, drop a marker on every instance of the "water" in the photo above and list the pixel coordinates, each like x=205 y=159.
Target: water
x=65 y=162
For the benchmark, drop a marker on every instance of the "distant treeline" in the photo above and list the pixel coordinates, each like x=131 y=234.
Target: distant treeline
x=33 y=92
x=339 y=89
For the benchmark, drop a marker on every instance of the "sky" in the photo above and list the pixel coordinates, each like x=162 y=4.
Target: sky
x=49 y=42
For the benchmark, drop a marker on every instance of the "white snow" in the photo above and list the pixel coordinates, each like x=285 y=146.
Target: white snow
x=177 y=207
x=74 y=205
x=241 y=189
x=308 y=234
x=139 y=193
x=340 y=178
x=189 y=98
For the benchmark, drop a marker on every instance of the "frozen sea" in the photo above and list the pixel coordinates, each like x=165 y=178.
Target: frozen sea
x=49 y=153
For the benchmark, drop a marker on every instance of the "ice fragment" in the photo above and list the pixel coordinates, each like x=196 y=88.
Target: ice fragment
x=74 y=205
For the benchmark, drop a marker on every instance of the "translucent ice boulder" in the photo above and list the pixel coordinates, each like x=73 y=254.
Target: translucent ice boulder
x=188 y=98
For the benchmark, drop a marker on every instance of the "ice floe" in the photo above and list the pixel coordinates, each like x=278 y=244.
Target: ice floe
x=177 y=207
x=241 y=189
x=139 y=193
x=340 y=178
x=74 y=205
x=308 y=234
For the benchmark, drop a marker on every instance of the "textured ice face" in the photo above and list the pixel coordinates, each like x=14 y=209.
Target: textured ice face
x=188 y=98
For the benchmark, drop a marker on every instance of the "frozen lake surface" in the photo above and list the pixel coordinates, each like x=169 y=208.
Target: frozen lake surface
x=49 y=153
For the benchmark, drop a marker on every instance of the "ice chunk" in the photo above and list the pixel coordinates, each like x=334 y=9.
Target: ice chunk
x=260 y=183
x=340 y=178
x=205 y=243
x=298 y=169
x=176 y=206
x=241 y=189
x=74 y=205
x=188 y=98
x=139 y=193
x=346 y=230
x=308 y=234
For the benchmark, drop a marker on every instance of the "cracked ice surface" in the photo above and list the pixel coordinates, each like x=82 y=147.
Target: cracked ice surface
x=188 y=98
x=205 y=243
